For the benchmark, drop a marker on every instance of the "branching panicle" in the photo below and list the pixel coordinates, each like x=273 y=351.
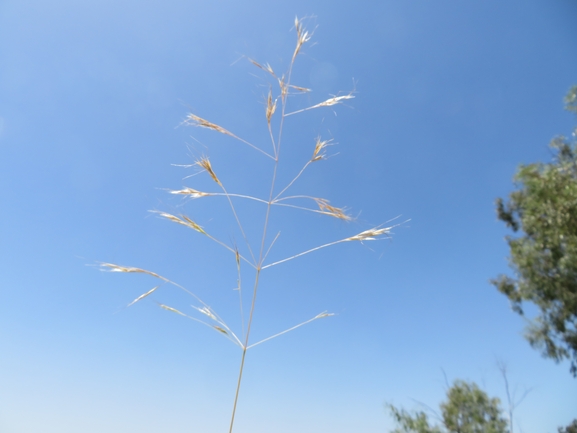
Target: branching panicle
x=276 y=106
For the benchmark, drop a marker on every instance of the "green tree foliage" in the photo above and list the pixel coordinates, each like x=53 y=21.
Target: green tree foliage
x=415 y=423
x=544 y=257
x=571 y=428
x=467 y=409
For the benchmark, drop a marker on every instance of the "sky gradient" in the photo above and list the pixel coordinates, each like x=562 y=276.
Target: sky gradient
x=450 y=97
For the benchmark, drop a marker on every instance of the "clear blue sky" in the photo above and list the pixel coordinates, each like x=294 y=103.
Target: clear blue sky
x=450 y=98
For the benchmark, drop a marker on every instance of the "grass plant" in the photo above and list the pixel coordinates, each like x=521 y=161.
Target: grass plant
x=254 y=254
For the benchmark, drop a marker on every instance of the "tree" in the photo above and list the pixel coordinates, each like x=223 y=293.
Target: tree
x=467 y=409
x=571 y=428
x=544 y=257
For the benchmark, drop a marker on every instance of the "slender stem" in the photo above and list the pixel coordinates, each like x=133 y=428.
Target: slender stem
x=318 y=316
x=237 y=389
x=305 y=252
x=238 y=222
x=292 y=181
x=261 y=254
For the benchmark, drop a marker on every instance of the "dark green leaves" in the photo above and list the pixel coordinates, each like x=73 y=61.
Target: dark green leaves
x=544 y=256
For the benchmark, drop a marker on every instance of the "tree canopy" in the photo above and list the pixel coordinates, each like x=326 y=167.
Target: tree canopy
x=467 y=409
x=544 y=257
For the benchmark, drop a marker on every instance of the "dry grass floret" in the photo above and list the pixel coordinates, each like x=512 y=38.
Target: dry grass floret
x=208 y=316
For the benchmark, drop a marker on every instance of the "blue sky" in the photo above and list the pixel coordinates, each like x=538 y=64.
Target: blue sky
x=450 y=97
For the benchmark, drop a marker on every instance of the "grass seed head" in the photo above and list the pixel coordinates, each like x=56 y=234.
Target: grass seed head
x=204 y=162
x=370 y=235
x=323 y=315
x=116 y=268
x=333 y=211
x=184 y=220
x=319 y=149
x=302 y=37
x=270 y=106
x=283 y=88
x=193 y=225
x=334 y=100
x=174 y=310
x=219 y=329
x=266 y=67
x=144 y=295
x=191 y=192
x=194 y=120
x=300 y=89
x=206 y=311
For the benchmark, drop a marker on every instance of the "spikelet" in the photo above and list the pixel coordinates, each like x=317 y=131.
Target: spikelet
x=116 y=268
x=184 y=220
x=265 y=67
x=204 y=162
x=270 y=107
x=333 y=211
x=144 y=295
x=191 y=192
x=219 y=329
x=333 y=101
x=319 y=149
x=302 y=37
x=194 y=120
x=370 y=235
x=173 y=310
x=300 y=89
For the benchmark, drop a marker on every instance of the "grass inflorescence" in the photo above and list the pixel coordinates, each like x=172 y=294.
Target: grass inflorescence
x=256 y=252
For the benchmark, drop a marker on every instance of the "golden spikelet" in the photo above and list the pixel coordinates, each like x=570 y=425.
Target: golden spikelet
x=194 y=120
x=265 y=67
x=184 y=220
x=319 y=149
x=204 y=162
x=302 y=37
x=333 y=211
x=270 y=106
x=190 y=223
